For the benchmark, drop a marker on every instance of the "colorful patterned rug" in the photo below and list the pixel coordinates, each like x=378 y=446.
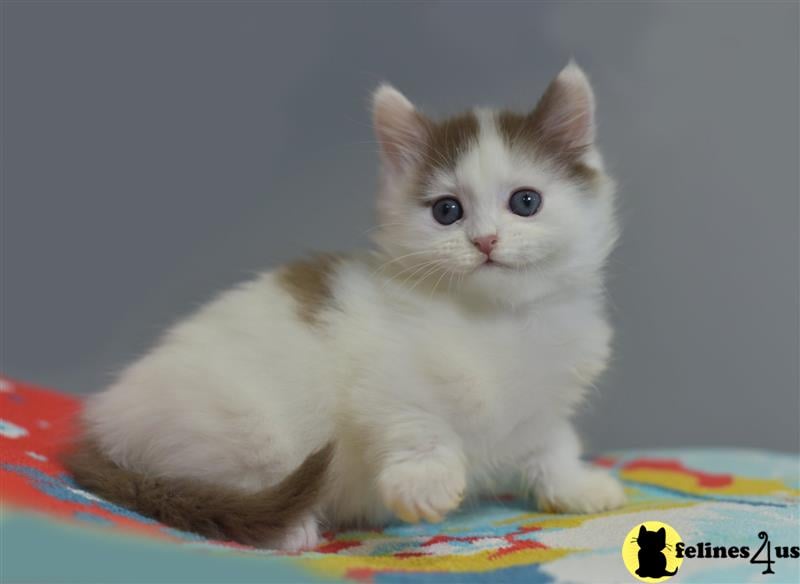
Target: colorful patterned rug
x=52 y=531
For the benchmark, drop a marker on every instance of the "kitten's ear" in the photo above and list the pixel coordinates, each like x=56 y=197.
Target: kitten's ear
x=662 y=533
x=401 y=130
x=642 y=530
x=564 y=117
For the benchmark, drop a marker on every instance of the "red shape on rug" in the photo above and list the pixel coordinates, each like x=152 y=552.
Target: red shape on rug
x=704 y=479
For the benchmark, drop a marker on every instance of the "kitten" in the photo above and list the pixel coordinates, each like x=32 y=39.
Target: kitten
x=395 y=382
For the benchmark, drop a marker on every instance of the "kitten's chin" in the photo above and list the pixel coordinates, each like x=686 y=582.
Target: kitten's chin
x=494 y=280
x=500 y=283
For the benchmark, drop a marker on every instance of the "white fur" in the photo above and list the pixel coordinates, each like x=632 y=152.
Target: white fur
x=436 y=378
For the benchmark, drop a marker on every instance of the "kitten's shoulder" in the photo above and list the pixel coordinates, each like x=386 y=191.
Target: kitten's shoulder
x=310 y=283
x=324 y=282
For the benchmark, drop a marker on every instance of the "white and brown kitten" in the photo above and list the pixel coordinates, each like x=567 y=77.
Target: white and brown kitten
x=350 y=390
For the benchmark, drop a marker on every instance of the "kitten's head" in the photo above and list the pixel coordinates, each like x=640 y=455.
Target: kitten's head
x=509 y=206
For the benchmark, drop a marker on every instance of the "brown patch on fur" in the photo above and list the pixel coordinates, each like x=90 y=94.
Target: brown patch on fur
x=212 y=511
x=517 y=129
x=446 y=141
x=584 y=173
x=308 y=281
x=450 y=138
x=526 y=131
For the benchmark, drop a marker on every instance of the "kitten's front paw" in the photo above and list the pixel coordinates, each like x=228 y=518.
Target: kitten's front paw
x=589 y=491
x=422 y=489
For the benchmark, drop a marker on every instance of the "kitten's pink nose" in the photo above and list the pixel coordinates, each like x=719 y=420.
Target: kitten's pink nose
x=485 y=243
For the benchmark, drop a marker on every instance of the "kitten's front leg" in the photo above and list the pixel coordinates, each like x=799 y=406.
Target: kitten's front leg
x=562 y=483
x=422 y=467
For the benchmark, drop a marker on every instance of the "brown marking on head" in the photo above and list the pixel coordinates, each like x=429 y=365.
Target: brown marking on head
x=413 y=144
x=258 y=519
x=517 y=129
x=524 y=132
x=445 y=142
x=561 y=126
x=308 y=281
x=449 y=138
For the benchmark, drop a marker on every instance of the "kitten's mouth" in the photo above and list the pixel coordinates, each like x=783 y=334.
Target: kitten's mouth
x=490 y=263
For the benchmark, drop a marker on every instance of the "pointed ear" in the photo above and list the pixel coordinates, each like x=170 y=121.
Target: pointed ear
x=642 y=530
x=662 y=533
x=401 y=130
x=564 y=117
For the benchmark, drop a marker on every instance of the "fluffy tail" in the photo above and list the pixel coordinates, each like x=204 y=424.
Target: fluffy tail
x=213 y=511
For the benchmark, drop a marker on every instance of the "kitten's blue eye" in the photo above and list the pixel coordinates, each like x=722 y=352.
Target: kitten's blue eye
x=525 y=202
x=447 y=211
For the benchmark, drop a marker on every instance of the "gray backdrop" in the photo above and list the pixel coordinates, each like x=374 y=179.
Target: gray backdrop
x=156 y=153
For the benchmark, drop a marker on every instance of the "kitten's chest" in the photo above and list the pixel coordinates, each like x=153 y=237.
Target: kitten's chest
x=491 y=373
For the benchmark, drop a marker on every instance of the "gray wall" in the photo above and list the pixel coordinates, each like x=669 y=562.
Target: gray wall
x=157 y=153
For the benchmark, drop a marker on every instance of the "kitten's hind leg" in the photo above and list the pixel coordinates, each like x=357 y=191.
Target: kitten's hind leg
x=302 y=535
x=562 y=483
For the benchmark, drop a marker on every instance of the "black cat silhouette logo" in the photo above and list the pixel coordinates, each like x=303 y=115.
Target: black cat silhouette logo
x=649 y=552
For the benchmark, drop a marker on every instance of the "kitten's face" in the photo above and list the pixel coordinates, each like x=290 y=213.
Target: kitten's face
x=487 y=199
